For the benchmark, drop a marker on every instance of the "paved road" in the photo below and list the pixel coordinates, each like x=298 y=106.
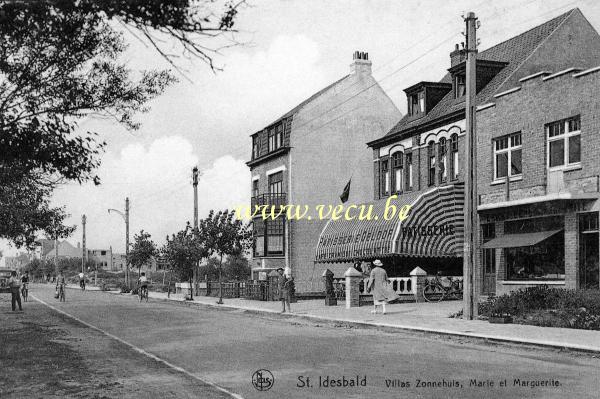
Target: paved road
x=227 y=347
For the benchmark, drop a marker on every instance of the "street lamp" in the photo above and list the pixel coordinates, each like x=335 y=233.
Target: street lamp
x=125 y=217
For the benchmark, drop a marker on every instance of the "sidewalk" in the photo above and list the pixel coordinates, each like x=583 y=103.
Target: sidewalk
x=424 y=317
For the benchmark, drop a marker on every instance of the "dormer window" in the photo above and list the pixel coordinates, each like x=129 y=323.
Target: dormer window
x=255 y=146
x=416 y=103
x=460 y=86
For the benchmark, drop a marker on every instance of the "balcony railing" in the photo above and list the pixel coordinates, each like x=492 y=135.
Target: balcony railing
x=269 y=199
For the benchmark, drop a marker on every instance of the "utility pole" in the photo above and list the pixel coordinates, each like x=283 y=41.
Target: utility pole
x=127 y=279
x=471 y=285
x=125 y=217
x=195 y=184
x=83 y=251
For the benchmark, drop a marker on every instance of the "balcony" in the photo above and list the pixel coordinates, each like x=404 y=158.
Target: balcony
x=276 y=200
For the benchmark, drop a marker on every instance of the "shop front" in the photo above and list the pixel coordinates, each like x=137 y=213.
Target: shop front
x=429 y=237
x=553 y=243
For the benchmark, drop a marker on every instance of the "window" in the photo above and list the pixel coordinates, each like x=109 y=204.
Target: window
x=255 y=188
x=409 y=171
x=103 y=253
x=454 y=156
x=255 y=146
x=268 y=237
x=258 y=226
x=443 y=160
x=416 y=103
x=431 y=154
x=384 y=182
x=588 y=222
x=276 y=183
x=460 y=86
x=564 y=143
x=488 y=232
x=398 y=173
x=507 y=151
x=275 y=230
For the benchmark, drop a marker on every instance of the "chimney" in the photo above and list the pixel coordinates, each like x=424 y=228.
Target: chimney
x=360 y=63
x=457 y=56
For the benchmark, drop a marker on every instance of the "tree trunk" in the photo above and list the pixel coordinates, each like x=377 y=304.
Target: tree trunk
x=169 y=287
x=190 y=278
x=220 y=280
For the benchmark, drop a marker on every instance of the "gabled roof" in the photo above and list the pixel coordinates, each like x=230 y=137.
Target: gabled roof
x=513 y=51
x=304 y=103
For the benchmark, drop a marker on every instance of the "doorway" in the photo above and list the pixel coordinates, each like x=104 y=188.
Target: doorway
x=589 y=273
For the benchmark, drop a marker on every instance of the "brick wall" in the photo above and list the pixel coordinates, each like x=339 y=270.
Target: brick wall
x=528 y=111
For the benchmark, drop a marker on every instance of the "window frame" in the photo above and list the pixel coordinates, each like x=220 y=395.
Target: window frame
x=384 y=178
x=408 y=179
x=454 y=160
x=276 y=183
x=397 y=163
x=431 y=166
x=264 y=231
x=457 y=85
x=416 y=107
x=443 y=160
x=508 y=150
x=563 y=136
x=255 y=146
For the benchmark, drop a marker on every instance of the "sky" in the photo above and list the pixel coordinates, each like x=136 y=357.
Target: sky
x=289 y=50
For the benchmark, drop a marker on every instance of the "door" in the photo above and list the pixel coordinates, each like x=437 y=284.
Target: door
x=489 y=271
x=588 y=261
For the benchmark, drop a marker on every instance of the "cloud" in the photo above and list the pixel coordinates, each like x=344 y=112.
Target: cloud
x=157 y=180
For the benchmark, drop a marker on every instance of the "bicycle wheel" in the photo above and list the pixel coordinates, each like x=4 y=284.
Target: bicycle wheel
x=433 y=292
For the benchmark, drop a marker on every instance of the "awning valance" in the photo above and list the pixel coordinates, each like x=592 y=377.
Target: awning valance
x=433 y=227
x=520 y=240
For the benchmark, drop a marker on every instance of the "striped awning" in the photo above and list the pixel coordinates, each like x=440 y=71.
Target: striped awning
x=434 y=227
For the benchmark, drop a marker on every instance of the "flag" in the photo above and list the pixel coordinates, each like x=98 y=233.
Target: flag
x=346 y=192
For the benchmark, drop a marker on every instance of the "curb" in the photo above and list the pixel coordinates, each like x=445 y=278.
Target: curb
x=390 y=327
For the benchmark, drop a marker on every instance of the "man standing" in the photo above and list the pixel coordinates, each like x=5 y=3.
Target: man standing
x=15 y=287
x=284 y=291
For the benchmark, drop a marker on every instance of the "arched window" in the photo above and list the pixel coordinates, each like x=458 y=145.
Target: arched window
x=443 y=155
x=454 y=156
x=397 y=174
x=431 y=155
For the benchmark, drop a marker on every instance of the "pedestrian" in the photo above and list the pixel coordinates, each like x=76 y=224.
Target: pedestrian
x=15 y=290
x=380 y=287
x=284 y=290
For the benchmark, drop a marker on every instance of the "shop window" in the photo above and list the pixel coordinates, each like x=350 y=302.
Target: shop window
x=397 y=172
x=443 y=160
x=431 y=155
x=409 y=171
x=508 y=151
x=543 y=261
x=564 y=143
x=454 y=156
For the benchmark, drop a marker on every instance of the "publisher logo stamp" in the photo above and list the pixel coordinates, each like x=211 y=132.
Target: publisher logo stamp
x=263 y=380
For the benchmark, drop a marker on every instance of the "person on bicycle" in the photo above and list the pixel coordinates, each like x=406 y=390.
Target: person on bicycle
x=143 y=282
x=24 y=282
x=82 y=280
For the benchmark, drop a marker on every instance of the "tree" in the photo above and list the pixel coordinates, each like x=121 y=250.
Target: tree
x=236 y=267
x=142 y=251
x=59 y=63
x=227 y=235
x=184 y=250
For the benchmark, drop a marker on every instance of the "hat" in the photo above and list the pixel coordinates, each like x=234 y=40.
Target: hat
x=280 y=268
x=377 y=262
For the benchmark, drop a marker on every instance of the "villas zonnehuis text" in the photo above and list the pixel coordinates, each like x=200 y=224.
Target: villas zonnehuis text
x=322 y=212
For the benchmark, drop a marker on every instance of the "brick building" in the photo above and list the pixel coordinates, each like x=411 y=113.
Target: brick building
x=306 y=157
x=541 y=225
x=421 y=158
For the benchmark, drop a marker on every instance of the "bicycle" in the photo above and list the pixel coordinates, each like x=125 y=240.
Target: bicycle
x=61 y=293
x=436 y=291
x=25 y=292
x=143 y=293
